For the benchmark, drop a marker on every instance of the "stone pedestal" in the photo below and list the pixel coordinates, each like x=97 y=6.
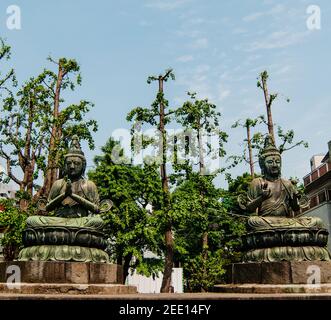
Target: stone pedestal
x=278 y=277
x=49 y=277
x=284 y=272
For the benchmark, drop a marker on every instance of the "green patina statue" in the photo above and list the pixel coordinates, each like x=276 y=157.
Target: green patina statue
x=275 y=232
x=73 y=196
x=74 y=233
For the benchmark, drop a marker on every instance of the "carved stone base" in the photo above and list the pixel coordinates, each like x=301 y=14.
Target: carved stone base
x=285 y=272
x=45 y=277
x=62 y=272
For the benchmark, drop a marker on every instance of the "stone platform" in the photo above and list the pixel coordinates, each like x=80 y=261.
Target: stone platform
x=64 y=289
x=274 y=290
x=48 y=277
x=277 y=273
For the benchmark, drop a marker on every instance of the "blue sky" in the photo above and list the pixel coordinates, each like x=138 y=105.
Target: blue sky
x=216 y=48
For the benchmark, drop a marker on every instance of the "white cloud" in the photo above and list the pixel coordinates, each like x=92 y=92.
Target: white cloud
x=144 y=23
x=274 y=11
x=201 y=43
x=253 y=16
x=185 y=58
x=196 y=80
x=189 y=33
x=239 y=31
x=166 y=5
x=195 y=21
x=279 y=39
x=283 y=70
x=202 y=68
x=223 y=93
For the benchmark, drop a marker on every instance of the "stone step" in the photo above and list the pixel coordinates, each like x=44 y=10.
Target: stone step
x=66 y=288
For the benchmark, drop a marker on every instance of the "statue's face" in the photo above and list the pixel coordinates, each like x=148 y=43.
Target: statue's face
x=74 y=167
x=273 y=165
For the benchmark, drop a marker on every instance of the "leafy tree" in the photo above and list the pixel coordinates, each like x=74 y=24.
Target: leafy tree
x=8 y=79
x=195 y=220
x=65 y=121
x=213 y=270
x=201 y=117
x=24 y=135
x=256 y=141
x=131 y=227
x=285 y=137
x=159 y=116
x=35 y=131
x=204 y=224
x=12 y=222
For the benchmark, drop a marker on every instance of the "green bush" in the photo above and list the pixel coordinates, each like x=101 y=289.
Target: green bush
x=202 y=274
x=12 y=221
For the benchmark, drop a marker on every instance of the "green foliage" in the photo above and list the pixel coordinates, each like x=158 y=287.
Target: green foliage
x=202 y=273
x=203 y=266
x=236 y=187
x=27 y=121
x=255 y=142
x=71 y=118
x=149 y=267
x=287 y=138
x=23 y=129
x=206 y=236
x=199 y=117
x=134 y=190
x=12 y=221
x=197 y=216
x=168 y=74
x=8 y=79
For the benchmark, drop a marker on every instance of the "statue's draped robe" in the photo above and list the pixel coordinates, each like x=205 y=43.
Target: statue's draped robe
x=277 y=210
x=279 y=204
x=70 y=208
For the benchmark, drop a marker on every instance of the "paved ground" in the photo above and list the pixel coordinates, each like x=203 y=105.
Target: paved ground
x=173 y=297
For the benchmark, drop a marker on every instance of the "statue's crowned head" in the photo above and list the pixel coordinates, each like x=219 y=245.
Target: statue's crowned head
x=270 y=160
x=74 y=160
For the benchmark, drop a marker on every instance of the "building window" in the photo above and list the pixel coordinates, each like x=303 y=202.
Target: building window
x=314 y=175
x=322 y=170
x=306 y=180
x=313 y=202
x=322 y=197
x=329 y=195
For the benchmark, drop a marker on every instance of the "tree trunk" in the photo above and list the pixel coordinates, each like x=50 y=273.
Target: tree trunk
x=169 y=254
x=28 y=161
x=52 y=170
x=202 y=196
x=126 y=266
x=268 y=103
x=250 y=152
x=168 y=264
x=205 y=245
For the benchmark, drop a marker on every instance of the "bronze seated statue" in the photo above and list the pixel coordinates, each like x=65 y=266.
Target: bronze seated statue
x=275 y=233
x=74 y=233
